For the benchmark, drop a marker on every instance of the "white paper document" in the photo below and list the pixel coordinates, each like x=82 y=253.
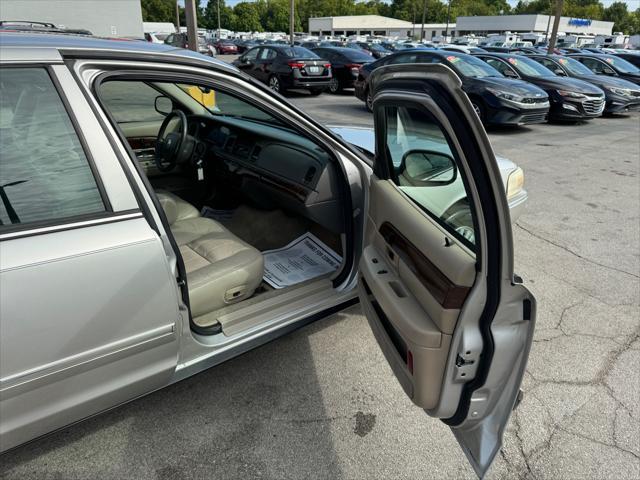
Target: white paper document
x=304 y=258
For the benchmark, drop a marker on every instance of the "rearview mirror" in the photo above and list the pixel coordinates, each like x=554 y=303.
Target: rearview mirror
x=425 y=168
x=163 y=105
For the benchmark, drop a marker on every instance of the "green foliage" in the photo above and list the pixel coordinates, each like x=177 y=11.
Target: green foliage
x=273 y=15
x=158 y=10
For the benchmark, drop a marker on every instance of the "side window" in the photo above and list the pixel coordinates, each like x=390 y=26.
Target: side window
x=131 y=102
x=498 y=65
x=264 y=54
x=169 y=39
x=44 y=173
x=547 y=63
x=407 y=58
x=594 y=65
x=251 y=55
x=424 y=167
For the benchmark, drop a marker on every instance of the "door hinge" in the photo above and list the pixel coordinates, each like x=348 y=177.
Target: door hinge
x=460 y=362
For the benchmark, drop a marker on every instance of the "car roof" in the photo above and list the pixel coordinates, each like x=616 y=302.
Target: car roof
x=500 y=55
x=18 y=42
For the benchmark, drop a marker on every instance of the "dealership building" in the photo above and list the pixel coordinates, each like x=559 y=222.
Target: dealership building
x=483 y=25
x=479 y=26
x=107 y=18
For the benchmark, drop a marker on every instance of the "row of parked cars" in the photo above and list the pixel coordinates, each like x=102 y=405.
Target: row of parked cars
x=505 y=88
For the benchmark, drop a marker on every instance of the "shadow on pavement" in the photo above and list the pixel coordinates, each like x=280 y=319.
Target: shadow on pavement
x=260 y=414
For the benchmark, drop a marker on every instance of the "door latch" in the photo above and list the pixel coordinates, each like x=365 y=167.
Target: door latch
x=461 y=362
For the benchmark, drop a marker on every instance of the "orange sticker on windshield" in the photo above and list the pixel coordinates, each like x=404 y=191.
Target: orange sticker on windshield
x=562 y=60
x=513 y=61
x=609 y=60
x=453 y=59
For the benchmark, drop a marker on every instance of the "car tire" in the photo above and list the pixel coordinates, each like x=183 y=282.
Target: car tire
x=335 y=86
x=316 y=91
x=275 y=84
x=368 y=100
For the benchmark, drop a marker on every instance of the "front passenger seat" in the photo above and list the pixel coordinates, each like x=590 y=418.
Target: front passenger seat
x=221 y=268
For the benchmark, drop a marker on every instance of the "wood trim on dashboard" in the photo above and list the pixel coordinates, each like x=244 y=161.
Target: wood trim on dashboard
x=446 y=293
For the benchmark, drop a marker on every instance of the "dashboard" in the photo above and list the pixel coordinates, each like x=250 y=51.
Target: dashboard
x=273 y=166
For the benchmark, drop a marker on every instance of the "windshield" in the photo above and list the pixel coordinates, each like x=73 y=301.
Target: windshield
x=299 y=52
x=622 y=65
x=472 y=67
x=529 y=67
x=574 y=67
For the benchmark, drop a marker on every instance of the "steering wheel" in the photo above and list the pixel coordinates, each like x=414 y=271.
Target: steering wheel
x=169 y=148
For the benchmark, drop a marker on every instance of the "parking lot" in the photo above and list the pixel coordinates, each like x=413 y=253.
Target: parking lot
x=323 y=403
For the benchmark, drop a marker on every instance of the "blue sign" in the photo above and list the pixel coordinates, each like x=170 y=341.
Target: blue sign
x=580 y=22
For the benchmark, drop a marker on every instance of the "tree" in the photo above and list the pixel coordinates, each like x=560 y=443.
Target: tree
x=247 y=17
x=158 y=10
x=618 y=14
x=210 y=15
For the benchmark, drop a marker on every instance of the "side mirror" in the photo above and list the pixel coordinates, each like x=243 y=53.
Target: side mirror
x=425 y=168
x=560 y=72
x=163 y=105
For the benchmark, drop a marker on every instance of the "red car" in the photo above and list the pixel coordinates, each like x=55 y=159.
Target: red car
x=225 y=47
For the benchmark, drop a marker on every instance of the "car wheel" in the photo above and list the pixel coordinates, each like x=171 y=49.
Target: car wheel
x=316 y=91
x=368 y=102
x=274 y=84
x=334 y=86
x=479 y=109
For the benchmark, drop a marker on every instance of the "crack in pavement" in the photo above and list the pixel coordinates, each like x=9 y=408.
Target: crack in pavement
x=575 y=254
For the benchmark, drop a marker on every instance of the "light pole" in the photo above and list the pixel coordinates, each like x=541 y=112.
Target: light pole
x=192 y=24
x=446 y=31
x=218 y=19
x=556 y=24
x=424 y=17
x=291 y=20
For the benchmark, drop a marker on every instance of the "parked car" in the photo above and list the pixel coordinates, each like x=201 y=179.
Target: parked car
x=462 y=49
x=620 y=95
x=610 y=65
x=244 y=45
x=155 y=37
x=226 y=47
x=114 y=284
x=285 y=67
x=570 y=98
x=181 y=40
x=310 y=45
x=496 y=99
x=374 y=49
x=345 y=65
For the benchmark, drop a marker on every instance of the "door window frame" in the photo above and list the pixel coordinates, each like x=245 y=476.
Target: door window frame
x=19 y=230
x=385 y=169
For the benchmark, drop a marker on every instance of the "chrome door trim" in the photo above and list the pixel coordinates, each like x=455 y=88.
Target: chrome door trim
x=71 y=225
x=73 y=365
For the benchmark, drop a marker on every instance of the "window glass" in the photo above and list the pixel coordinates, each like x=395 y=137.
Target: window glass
x=131 y=101
x=406 y=58
x=425 y=170
x=529 y=67
x=574 y=66
x=469 y=66
x=267 y=54
x=499 y=65
x=622 y=65
x=298 y=52
x=251 y=55
x=44 y=172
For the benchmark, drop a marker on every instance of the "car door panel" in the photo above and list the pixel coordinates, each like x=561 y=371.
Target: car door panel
x=439 y=295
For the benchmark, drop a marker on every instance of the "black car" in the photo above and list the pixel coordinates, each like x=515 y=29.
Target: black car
x=244 y=45
x=283 y=67
x=570 y=98
x=611 y=65
x=620 y=95
x=345 y=65
x=496 y=99
x=631 y=57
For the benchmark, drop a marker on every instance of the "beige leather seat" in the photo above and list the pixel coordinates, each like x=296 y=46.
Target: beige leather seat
x=221 y=268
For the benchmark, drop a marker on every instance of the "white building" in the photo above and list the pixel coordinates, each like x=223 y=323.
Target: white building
x=107 y=18
x=359 y=25
x=434 y=31
x=483 y=25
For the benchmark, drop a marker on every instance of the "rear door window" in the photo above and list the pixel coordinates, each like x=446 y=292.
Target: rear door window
x=45 y=175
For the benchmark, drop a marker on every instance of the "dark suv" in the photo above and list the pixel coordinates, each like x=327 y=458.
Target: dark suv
x=283 y=67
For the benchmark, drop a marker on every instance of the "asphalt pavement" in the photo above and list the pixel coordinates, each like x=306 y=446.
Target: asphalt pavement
x=322 y=402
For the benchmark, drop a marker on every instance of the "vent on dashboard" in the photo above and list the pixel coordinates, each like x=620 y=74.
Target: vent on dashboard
x=228 y=146
x=310 y=174
x=256 y=153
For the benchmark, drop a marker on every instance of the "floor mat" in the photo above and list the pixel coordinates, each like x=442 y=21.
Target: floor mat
x=304 y=258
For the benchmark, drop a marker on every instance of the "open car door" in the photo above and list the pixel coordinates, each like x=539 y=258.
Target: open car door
x=436 y=275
